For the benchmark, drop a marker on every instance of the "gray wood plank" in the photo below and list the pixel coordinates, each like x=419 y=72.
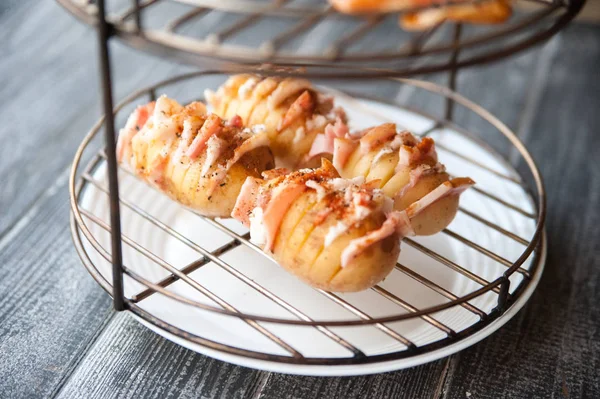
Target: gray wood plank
x=549 y=349
x=50 y=308
x=50 y=77
x=552 y=347
x=128 y=360
x=417 y=382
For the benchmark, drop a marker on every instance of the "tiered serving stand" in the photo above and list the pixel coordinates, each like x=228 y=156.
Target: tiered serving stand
x=201 y=282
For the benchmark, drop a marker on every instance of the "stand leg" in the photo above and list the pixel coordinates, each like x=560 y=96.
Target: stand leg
x=453 y=71
x=138 y=15
x=113 y=184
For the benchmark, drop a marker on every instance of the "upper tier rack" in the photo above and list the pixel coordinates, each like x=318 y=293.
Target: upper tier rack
x=309 y=37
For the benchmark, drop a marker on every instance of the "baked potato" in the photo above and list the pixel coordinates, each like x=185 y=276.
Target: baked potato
x=335 y=234
x=196 y=158
x=405 y=168
x=485 y=12
x=290 y=111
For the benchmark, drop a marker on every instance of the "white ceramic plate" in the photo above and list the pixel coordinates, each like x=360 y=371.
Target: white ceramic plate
x=308 y=340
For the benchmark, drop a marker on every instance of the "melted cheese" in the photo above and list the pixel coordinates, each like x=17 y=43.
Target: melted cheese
x=334 y=232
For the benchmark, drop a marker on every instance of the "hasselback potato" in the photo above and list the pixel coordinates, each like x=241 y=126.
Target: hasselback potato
x=195 y=157
x=333 y=233
x=290 y=111
x=405 y=168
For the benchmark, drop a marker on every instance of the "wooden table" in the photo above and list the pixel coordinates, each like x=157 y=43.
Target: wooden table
x=59 y=336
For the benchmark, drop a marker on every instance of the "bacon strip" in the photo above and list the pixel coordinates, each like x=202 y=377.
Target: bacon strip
x=303 y=105
x=254 y=142
x=285 y=89
x=414 y=177
x=404 y=226
x=137 y=119
x=376 y=136
x=126 y=134
x=342 y=150
x=236 y=121
x=210 y=127
x=215 y=149
x=452 y=187
x=325 y=143
x=277 y=208
x=320 y=145
x=360 y=244
x=246 y=200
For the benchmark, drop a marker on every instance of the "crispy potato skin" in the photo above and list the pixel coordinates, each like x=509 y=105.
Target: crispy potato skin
x=290 y=143
x=490 y=12
x=430 y=221
x=187 y=186
x=160 y=155
x=438 y=215
x=299 y=247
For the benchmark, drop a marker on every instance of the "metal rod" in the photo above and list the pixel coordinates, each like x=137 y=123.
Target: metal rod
x=152 y=95
x=185 y=270
x=494 y=226
x=185 y=18
x=419 y=40
x=242 y=23
x=437 y=288
x=136 y=10
x=194 y=284
x=386 y=294
x=479 y=164
x=447 y=262
x=274 y=43
x=382 y=327
x=503 y=297
x=336 y=48
x=432 y=129
x=138 y=15
x=503 y=202
x=484 y=251
x=214 y=257
x=109 y=136
x=453 y=70
x=329 y=295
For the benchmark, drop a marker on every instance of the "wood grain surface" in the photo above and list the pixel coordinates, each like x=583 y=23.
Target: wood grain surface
x=60 y=338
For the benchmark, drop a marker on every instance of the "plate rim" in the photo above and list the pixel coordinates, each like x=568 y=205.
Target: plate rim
x=538 y=252
x=368 y=368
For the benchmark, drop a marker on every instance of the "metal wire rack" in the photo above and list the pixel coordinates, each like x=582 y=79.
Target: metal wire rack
x=210 y=33
x=505 y=289
x=216 y=34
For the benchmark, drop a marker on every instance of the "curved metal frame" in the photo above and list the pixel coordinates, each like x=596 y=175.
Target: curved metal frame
x=129 y=28
x=166 y=42
x=500 y=285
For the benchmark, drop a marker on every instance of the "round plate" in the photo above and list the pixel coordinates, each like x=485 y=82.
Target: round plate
x=461 y=155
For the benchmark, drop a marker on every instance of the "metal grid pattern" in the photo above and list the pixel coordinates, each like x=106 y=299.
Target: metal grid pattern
x=79 y=180
x=185 y=36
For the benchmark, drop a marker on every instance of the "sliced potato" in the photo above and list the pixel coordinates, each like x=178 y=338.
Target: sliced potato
x=161 y=153
x=252 y=105
x=383 y=162
x=308 y=240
